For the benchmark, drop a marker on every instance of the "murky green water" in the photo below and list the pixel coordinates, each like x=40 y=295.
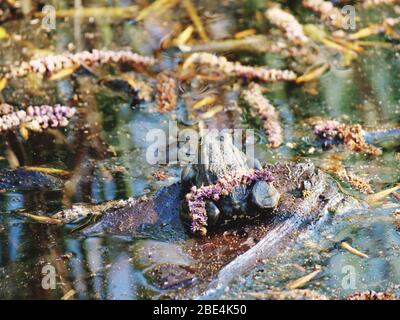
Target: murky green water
x=102 y=267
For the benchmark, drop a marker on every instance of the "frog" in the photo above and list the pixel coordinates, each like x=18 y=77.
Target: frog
x=218 y=155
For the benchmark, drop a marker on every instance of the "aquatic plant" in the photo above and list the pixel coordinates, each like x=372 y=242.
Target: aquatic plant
x=352 y=136
x=35 y=118
x=223 y=187
x=166 y=96
x=236 y=69
x=355 y=181
x=288 y=23
x=267 y=113
x=51 y=64
x=326 y=10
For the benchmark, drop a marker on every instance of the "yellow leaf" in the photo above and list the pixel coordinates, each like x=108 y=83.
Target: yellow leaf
x=209 y=100
x=3 y=33
x=192 y=12
x=63 y=73
x=47 y=170
x=365 y=32
x=245 y=33
x=3 y=83
x=41 y=219
x=313 y=74
x=184 y=36
x=24 y=132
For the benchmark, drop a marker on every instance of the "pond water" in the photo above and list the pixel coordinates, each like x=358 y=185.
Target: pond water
x=104 y=151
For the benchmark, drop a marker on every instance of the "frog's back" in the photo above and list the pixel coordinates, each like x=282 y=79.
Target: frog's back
x=220 y=155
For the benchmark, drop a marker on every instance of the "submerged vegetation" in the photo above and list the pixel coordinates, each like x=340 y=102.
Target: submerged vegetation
x=83 y=84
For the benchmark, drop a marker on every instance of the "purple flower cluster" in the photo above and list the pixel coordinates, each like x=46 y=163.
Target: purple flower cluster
x=327 y=128
x=37 y=118
x=51 y=64
x=267 y=113
x=327 y=11
x=288 y=23
x=196 y=197
x=236 y=69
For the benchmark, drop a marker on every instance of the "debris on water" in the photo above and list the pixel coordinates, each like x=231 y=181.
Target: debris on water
x=192 y=12
x=352 y=250
x=68 y=295
x=41 y=219
x=354 y=180
x=301 y=282
x=352 y=136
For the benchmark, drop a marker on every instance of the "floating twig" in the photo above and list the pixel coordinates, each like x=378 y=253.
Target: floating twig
x=192 y=12
x=41 y=219
x=156 y=8
x=55 y=171
x=301 y=282
x=372 y=199
x=68 y=295
x=267 y=113
x=349 y=248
